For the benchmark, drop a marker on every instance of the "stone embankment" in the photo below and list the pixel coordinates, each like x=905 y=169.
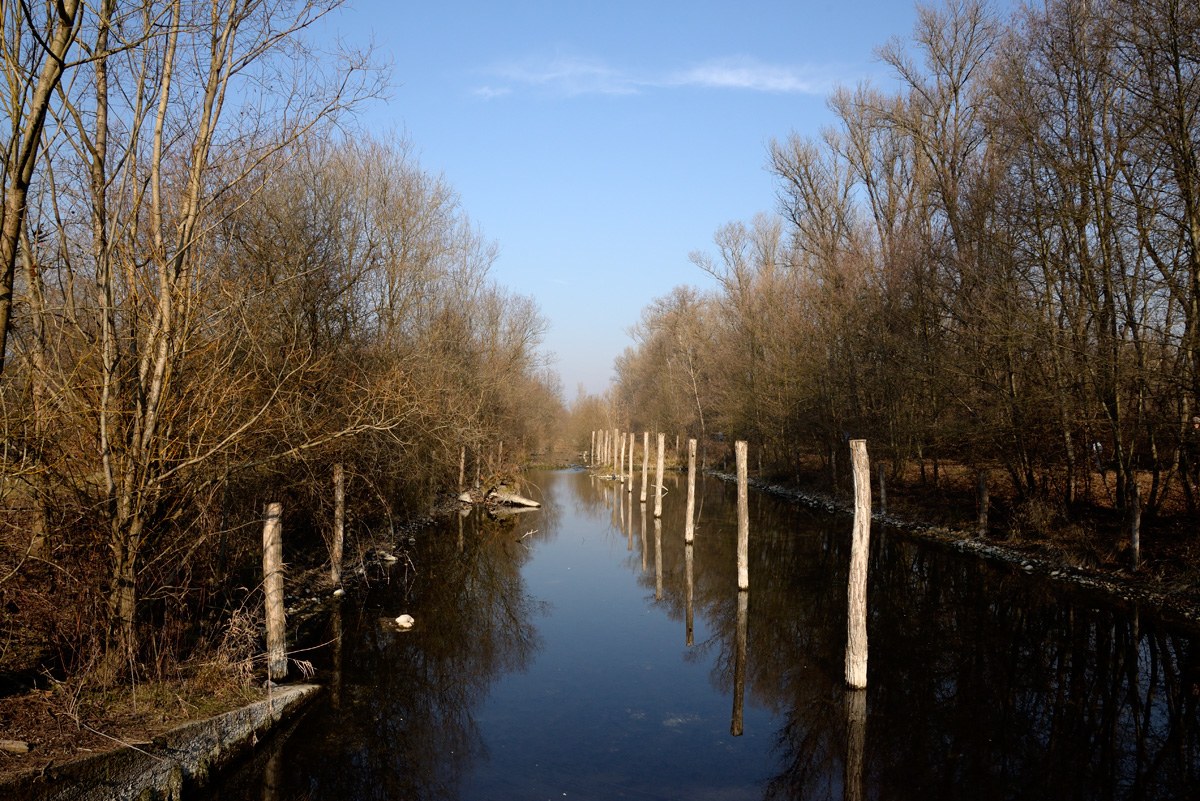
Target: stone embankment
x=177 y=761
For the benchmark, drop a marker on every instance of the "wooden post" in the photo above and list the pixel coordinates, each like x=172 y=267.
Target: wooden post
x=739 y=663
x=743 y=514
x=629 y=487
x=658 y=577
x=339 y=521
x=676 y=448
x=689 y=526
x=645 y=461
x=462 y=468
x=856 y=619
x=592 y=452
x=688 y=558
x=500 y=456
x=983 y=503
x=658 y=476
x=1135 y=525
x=621 y=460
x=273 y=589
x=882 y=489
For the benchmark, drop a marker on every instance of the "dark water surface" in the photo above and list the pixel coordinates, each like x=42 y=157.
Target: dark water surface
x=556 y=656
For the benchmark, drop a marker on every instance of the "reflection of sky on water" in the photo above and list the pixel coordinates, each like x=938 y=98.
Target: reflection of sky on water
x=543 y=666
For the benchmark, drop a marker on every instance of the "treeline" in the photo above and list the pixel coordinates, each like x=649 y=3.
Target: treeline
x=216 y=290
x=996 y=265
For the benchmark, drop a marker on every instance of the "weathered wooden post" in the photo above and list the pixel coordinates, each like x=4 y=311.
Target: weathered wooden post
x=689 y=526
x=658 y=476
x=856 y=737
x=658 y=577
x=983 y=503
x=743 y=513
x=882 y=489
x=339 y=522
x=612 y=457
x=739 y=664
x=629 y=487
x=592 y=452
x=1135 y=525
x=676 y=448
x=688 y=559
x=500 y=456
x=856 y=620
x=462 y=468
x=621 y=460
x=645 y=461
x=273 y=589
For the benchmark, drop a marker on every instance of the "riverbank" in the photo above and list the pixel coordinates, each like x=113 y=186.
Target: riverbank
x=1168 y=590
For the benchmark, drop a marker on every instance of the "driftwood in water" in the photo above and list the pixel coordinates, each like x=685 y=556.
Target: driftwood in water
x=506 y=498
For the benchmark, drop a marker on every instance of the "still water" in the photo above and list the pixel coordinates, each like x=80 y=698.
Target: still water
x=581 y=651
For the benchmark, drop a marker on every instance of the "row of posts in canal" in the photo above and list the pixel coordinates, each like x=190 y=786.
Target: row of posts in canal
x=616 y=450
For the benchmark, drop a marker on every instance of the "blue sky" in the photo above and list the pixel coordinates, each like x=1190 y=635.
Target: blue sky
x=600 y=143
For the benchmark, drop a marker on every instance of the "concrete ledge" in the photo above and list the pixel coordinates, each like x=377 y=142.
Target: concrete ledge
x=183 y=757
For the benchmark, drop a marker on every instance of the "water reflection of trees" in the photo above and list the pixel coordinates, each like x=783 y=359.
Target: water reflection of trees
x=983 y=682
x=404 y=726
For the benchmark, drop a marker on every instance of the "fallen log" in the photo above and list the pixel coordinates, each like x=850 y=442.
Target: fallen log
x=506 y=498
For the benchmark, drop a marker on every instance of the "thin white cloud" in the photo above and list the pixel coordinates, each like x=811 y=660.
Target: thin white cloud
x=572 y=76
x=746 y=73
x=565 y=75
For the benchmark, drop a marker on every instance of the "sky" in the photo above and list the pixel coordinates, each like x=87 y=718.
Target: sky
x=600 y=143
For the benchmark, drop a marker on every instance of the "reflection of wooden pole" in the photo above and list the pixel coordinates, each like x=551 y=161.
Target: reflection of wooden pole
x=631 y=519
x=460 y=534
x=743 y=513
x=658 y=476
x=629 y=486
x=339 y=522
x=273 y=588
x=336 y=622
x=688 y=558
x=983 y=503
x=882 y=489
x=658 y=578
x=1135 y=525
x=739 y=663
x=856 y=737
x=645 y=461
x=689 y=526
x=856 y=620
x=645 y=545
x=272 y=774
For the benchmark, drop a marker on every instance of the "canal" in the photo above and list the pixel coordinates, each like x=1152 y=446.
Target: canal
x=581 y=651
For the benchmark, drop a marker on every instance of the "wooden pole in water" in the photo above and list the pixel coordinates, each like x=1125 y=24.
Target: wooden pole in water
x=613 y=456
x=688 y=558
x=621 y=460
x=658 y=476
x=273 y=589
x=983 y=503
x=1135 y=525
x=743 y=514
x=462 y=468
x=592 y=452
x=339 y=522
x=658 y=577
x=856 y=619
x=689 y=526
x=739 y=664
x=676 y=448
x=645 y=461
x=882 y=489
x=629 y=487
